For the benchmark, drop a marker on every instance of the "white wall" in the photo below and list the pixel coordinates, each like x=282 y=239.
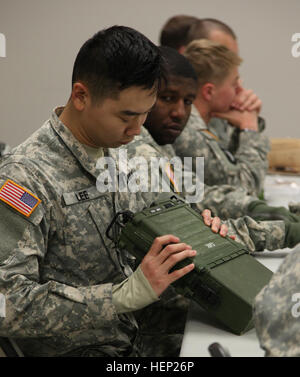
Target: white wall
x=43 y=38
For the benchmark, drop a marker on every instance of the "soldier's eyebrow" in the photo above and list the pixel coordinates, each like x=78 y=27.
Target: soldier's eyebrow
x=134 y=113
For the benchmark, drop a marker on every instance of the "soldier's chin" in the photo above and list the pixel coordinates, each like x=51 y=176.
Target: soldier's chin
x=168 y=139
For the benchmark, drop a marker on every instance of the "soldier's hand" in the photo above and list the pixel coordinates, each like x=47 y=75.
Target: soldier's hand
x=164 y=253
x=240 y=119
x=247 y=100
x=215 y=224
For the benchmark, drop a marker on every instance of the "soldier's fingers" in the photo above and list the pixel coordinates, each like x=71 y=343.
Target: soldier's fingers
x=256 y=105
x=242 y=97
x=253 y=99
x=177 y=274
x=159 y=243
x=216 y=224
x=172 y=249
x=224 y=230
x=177 y=257
x=206 y=214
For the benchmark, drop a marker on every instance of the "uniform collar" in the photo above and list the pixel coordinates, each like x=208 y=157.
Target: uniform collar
x=74 y=146
x=164 y=150
x=201 y=125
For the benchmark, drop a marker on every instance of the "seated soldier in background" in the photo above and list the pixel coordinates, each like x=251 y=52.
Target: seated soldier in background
x=215 y=30
x=175 y=32
x=67 y=290
x=278 y=336
x=164 y=125
x=218 y=78
x=180 y=30
x=246 y=99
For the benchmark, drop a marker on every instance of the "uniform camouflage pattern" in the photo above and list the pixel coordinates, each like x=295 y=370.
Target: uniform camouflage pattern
x=4 y=149
x=57 y=267
x=224 y=201
x=257 y=236
x=228 y=136
x=244 y=164
x=277 y=310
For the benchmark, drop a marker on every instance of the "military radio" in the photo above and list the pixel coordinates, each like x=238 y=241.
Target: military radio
x=226 y=278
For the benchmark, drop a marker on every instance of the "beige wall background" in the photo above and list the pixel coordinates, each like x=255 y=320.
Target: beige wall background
x=43 y=38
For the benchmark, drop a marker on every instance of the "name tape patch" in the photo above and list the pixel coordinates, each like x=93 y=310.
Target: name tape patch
x=19 y=198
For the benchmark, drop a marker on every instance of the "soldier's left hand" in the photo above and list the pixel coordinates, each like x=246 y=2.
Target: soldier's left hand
x=215 y=223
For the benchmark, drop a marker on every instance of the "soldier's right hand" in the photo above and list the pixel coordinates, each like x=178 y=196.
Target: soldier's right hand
x=240 y=119
x=164 y=253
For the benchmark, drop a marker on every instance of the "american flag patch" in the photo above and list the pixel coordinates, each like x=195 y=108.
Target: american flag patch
x=19 y=198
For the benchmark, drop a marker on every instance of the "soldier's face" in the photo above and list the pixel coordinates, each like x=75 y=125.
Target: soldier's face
x=225 y=92
x=114 y=122
x=172 y=109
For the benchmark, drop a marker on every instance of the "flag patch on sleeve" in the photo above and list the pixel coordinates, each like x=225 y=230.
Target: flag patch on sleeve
x=19 y=198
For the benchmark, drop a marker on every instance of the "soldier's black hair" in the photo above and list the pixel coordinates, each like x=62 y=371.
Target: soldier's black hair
x=175 y=31
x=115 y=59
x=177 y=64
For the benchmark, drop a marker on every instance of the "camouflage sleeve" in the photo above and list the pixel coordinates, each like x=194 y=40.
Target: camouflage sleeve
x=276 y=310
x=246 y=168
x=229 y=203
x=257 y=236
x=225 y=201
x=251 y=161
x=222 y=129
x=227 y=134
x=33 y=307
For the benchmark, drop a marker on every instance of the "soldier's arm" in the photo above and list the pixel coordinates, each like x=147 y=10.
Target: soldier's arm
x=246 y=169
x=261 y=235
x=250 y=162
x=34 y=307
x=277 y=310
x=248 y=166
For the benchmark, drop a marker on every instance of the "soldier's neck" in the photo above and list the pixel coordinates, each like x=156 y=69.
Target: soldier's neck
x=70 y=118
x=203 y=109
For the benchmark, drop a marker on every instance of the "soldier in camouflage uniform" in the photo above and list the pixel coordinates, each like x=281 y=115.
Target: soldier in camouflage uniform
x=62 y=281
x=177 y=33
x=245 y=162
x=168 y=116
x=165 y=123
x=277 y=313
x=65 y=288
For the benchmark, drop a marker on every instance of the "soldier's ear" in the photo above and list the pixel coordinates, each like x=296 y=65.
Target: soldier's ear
x=80 y=95
x=207 y=91
x=181 y=49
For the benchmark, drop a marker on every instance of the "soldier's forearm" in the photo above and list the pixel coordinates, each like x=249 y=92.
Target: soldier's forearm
x=258 y=236
x=134 y=293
